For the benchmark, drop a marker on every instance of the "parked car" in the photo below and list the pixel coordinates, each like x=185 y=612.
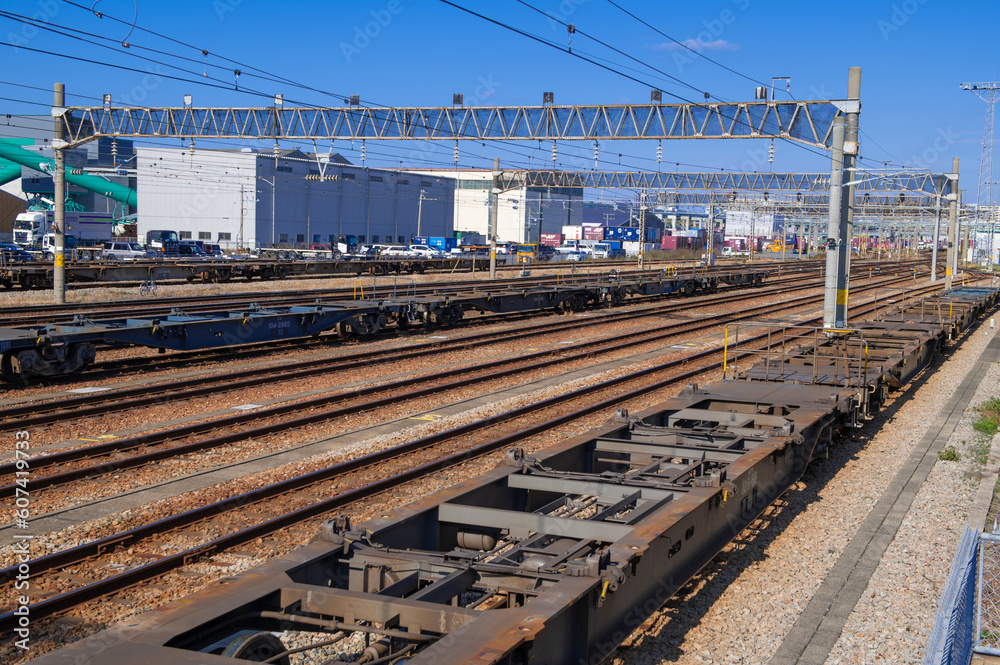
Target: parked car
x=123 y=251
x=399 y=251
x=575 y=255
x=190 y=251
x=371 y=251
x=427 y=252
x=13 y=253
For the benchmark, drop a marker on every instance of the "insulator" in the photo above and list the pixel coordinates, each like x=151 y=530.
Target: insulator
x=555 y=153
x=456 y=152
x=362 y=153
x=770 y=152
x=597 y=152
x=659 y=152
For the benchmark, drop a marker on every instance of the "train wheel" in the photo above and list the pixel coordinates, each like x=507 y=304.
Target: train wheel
x=257 y=648
x=345 y=330
x=689 y=288
x=10 y=368
x=8 y=284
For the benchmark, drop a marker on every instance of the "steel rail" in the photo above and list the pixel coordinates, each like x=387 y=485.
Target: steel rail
x=68 y=600
x=77 y=454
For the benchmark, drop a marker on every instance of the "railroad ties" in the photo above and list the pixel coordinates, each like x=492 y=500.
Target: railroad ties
x=559 y=556
x=60 y=349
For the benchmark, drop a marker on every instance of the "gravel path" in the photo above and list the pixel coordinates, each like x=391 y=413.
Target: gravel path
x=745 y=601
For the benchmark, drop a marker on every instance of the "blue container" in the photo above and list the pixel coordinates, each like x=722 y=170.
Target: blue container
x=444 y=244
x=420 y=240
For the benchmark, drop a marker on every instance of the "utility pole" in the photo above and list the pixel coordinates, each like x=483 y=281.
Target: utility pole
x=844 y=147
x=494 y=210
x=937 y=239
x=711 y=234
x=952 y=226
x=988 y=93
x=642 y=227
x=59 y=181
x=420 y=212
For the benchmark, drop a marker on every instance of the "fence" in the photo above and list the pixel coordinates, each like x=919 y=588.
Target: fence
x=968 y=618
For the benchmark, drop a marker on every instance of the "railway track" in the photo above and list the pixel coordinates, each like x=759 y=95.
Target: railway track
x=18 y=315
x=183 y=359
x=475 y=439
x=35 y=413
x=335 y=406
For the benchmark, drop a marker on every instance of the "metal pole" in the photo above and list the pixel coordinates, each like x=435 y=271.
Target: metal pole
x=937 y=236
x=834 y=242
x=420 y=212
x=851 y=150
x=952 y=226
x=494 y=210
x=711 y=235
x=59 y=180
x=642 y=227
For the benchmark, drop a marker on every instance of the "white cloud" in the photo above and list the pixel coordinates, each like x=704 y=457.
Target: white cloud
x=698 y=45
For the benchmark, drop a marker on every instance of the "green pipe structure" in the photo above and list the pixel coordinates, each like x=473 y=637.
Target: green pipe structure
x=8 y=172
x=92 y=183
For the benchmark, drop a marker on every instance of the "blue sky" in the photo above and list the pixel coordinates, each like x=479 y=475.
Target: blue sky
x=914 y=54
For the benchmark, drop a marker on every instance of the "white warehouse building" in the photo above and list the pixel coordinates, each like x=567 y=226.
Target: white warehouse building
x=522 y=213
x=250 y=198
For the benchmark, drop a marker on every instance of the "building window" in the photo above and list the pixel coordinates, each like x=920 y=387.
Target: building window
x=282 y=237
x=283 y=169
x=204 y=235
x=374 y=178
x=361 y=239
x=316 y=237
x=184 y=235
x=225 y=236
x=313 y=171
x=301 y=237
x=426 y=183
x=347 y=176
x=402 y=240
x=331 y=241
x=403 y=181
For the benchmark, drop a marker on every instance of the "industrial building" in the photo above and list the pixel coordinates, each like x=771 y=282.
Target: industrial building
x=523 y=214
x=254 y=198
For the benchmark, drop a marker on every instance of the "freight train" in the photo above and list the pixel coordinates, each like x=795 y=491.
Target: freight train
x=58 y=350
x=557 y=557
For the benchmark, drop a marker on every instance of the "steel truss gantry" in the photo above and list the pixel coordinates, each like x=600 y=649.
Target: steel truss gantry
x=808 y=122
x=867 y=185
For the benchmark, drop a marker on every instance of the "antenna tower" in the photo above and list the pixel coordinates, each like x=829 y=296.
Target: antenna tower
x=985 y=197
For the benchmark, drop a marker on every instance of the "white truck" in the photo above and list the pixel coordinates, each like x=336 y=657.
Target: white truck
x=33 y=229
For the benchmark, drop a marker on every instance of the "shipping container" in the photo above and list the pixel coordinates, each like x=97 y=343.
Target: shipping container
x=552 y=239
x=593 y=233
x=444 y=244
x=632 y=248
x=572 y=232
x=654 y=234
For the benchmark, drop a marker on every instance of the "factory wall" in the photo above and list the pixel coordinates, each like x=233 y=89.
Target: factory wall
x=200 y=196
